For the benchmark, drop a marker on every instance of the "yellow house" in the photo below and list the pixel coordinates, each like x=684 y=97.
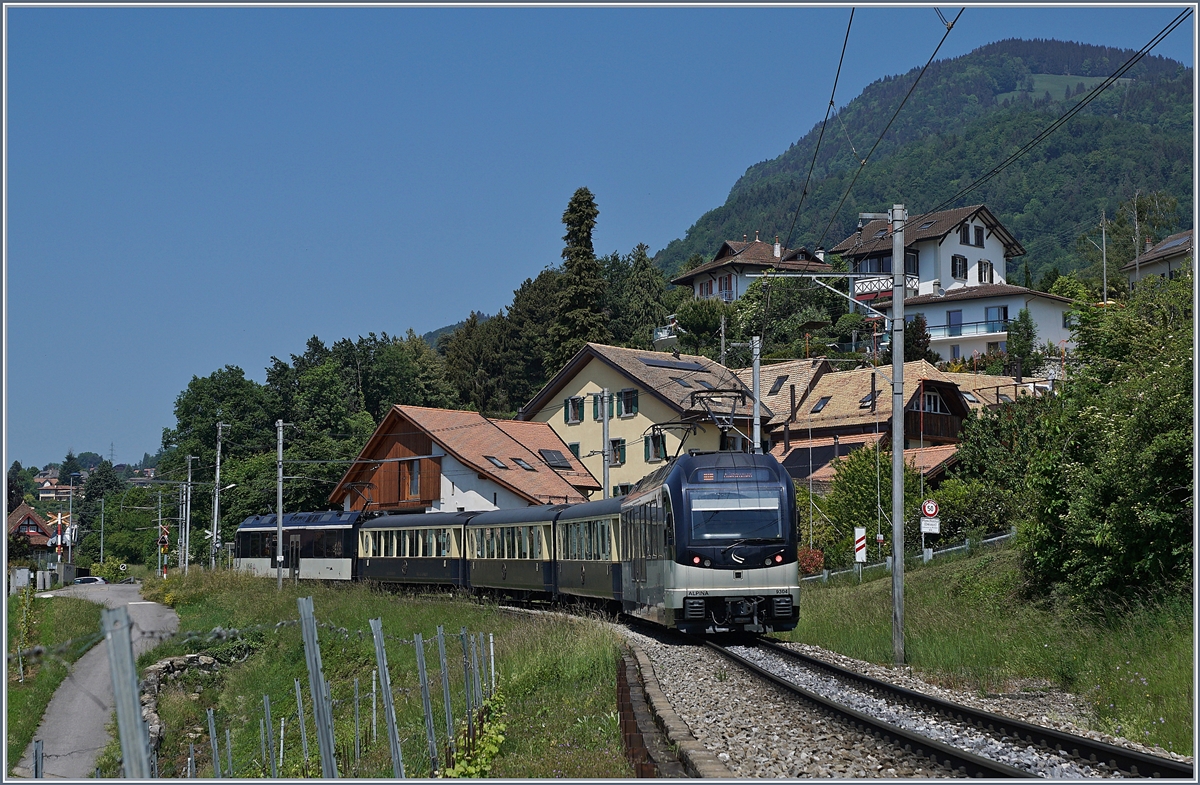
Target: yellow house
x=659 y=404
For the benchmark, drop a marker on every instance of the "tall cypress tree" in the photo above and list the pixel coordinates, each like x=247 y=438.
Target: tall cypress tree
x=580 y=316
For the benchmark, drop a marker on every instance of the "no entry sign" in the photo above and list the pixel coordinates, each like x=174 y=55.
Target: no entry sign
x=860 y=545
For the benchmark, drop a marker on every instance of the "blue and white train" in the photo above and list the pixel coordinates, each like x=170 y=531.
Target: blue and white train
x=704 y=544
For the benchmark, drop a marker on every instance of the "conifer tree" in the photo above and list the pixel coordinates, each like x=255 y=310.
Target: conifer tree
x=645 y=294
x=580 y=316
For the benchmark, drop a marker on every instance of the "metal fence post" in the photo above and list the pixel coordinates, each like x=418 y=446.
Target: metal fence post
x=135 y=739
x=357 y=737
x=467 y=689
x=475 y=672
x=216 y=752
x=492 y=659
x=229 y=751
x=282 y=726
x=374 y=707
x=39 y=772
x=446 y=692
x=191 y=765
x=426 y=704
x=316 y=685
x=262 y=745
x=270 y=736
x=300 y=719
x=389 y=708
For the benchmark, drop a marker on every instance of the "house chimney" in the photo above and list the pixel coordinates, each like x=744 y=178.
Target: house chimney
x=756 y=235
x=1149 y=244
x=776 y=246
x=745 y=237
x=820 y=254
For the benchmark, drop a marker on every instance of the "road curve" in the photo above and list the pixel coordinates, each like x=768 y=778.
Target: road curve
x=74 y=729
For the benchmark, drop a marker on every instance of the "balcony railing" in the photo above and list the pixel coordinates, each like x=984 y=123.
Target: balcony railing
x=874 y=283
x=939 y=426
x=725 y=295
x=986 y=327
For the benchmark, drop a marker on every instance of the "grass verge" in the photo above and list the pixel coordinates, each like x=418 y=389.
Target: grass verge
x=966 y=626
x=558 y=677
x=50 y=623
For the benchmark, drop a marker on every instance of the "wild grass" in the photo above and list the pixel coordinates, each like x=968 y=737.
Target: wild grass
x=50 y=623
x=967 y=626
x=555 y=673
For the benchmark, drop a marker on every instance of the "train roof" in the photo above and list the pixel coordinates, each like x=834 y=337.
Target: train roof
x=597 y=509
x=323 y=519
x=533 y=514
x=428 y=520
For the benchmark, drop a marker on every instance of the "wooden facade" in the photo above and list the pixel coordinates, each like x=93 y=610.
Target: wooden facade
x=388 y=485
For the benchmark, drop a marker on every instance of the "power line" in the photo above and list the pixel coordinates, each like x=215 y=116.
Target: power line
x=863 y=163
x=1087 y=99
x=828 y=109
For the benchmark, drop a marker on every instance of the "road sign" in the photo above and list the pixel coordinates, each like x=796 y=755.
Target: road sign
x=931 y=525
x=860 y=545
x=879 y=537
x=124 y=567
x=929 y=508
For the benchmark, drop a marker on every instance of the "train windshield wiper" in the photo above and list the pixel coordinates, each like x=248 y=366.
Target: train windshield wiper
x=747 y=541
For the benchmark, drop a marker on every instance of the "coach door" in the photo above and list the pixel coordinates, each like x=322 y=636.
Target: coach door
x=294 y=555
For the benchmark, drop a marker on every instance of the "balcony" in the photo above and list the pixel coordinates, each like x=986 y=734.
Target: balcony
x=938 y=426
x=875 y=285
x=986 y=327
x=666 y=338
x=725 y=296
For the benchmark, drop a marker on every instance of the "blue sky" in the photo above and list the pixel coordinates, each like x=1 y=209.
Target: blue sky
x=194 y=187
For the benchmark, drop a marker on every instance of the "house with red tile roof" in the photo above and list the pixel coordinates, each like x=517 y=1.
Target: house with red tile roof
x=25 y=521
x=443 y=460
x=726 y=275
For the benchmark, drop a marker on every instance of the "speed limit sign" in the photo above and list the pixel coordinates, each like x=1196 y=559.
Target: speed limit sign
x=929 y=508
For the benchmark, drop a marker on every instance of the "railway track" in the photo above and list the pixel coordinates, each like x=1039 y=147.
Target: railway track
x=996 y=746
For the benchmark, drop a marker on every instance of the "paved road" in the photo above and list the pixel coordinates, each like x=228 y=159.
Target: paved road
x=73 y=730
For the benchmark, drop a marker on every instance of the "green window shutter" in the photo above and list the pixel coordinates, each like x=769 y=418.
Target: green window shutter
x=646 y=447
x=566 y=410
x=622 y=448
x=662 y=446
x=610 y=406
x=595 y=407
x=635 y=402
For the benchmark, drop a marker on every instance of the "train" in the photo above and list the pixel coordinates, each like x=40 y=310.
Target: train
x=704 y=544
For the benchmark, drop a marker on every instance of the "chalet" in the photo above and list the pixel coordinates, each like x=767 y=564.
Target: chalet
x=933 y=462
x=726 y=276
x=1167 y=259
x=24 y=521
x=783 y=386
x=646 y=389
x=443 y=460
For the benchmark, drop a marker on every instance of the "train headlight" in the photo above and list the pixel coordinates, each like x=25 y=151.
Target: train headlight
x=779 y=558
x=707 y=563
x=767 y=562
x=695 y=560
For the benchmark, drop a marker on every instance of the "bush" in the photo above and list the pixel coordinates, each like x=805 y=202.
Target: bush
x=811 y=560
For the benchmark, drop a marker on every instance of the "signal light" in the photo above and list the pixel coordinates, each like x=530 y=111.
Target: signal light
x=778 y=558
x=695 y=560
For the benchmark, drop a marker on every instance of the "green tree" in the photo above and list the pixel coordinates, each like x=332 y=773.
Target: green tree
x=700 y=321
x=861 y=486
x=1023 y=341
x=645 y=301
x=1070 y=286
x=581 y=318
x=70 y=465
x=19 y=482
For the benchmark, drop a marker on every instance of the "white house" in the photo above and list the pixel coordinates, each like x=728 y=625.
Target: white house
x=1166 y=260
x=727 y=275
x=970 y=319
x=948 y=250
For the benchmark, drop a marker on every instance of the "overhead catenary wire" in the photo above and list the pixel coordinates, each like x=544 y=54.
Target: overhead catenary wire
x=1070 y=113
x=883 y=133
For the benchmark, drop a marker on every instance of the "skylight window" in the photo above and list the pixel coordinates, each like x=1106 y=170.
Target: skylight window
x=1004 y=398
x=881 y=233
x=705 y=384
x=778 y=385
x=523 y=464
x=926 y=225
x=970 y=398
x=499 y=464
x=555 y=459
x=821 y=404
x=866 y=401
x=681 y=381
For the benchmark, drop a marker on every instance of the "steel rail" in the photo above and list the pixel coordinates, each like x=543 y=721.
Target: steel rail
x=965 y=762
x=1127 y=761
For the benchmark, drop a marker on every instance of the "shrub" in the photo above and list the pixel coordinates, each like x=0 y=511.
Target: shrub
x=811 y=560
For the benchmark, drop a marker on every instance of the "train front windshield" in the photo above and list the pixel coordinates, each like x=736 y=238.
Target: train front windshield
x=753 y=513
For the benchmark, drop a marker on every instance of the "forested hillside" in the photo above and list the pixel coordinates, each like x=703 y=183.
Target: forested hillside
x=966 y=115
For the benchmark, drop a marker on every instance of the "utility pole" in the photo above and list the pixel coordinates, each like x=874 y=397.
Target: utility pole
x=216 y=503
x=604 y=453
x=279 y=504
x=756 y=427
x=102 y=530
x=187 y=529
x=162 y=551
x=898 y=216
x=722 y=339
x=1104 y=253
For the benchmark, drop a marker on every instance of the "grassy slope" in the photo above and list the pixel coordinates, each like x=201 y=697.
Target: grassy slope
x=558 y=677
x=51 y=623
x=966 y=626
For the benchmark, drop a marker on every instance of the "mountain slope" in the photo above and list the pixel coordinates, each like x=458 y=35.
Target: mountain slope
x=966 y=115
